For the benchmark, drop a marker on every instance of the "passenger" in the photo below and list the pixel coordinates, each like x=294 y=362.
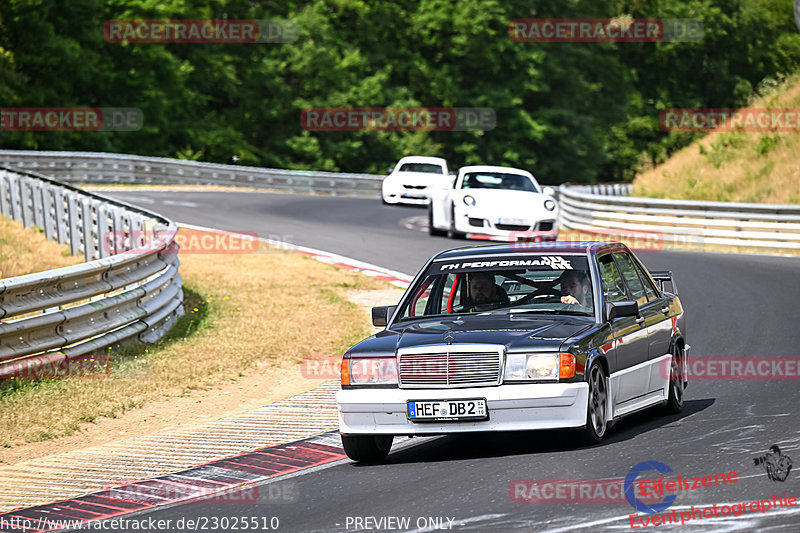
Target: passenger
x=575 y=288
x=485 y=294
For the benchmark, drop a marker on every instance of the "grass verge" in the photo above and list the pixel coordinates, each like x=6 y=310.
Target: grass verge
x=26 y=250
x=736 y=166
x=245 y=313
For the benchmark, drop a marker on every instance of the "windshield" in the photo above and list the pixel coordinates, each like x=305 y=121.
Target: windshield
x=546 y=284
x=429 y=168
x=498 y=180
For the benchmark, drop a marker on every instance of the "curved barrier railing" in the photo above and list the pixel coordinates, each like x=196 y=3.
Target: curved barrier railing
x=607 y=209
x=601 y=209
x=103 y=168
x=128 y=290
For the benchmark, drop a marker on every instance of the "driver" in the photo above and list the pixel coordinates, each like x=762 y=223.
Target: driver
x=485 y=294
x=575 y=288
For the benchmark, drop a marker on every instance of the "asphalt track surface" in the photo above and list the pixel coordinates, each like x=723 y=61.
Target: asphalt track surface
x=736 y=306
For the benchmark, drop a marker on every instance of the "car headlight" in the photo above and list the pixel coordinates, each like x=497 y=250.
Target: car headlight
x=550 y=205
x=539 y=366
x=369 y=371
x=469 y=200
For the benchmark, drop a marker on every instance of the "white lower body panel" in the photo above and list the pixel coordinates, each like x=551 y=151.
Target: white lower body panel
x=511 y=408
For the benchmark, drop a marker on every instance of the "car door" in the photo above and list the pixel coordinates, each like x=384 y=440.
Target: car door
x=632 y=377
x=659 y=328
x=650 y=311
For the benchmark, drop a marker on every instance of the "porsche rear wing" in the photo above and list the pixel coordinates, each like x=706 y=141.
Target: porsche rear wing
x=662 y=277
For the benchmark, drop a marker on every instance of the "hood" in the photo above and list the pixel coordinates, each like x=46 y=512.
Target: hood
x=516 y=333
x=518 y=201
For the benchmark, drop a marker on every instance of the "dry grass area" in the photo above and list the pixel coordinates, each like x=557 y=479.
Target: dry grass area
x=248 y=316
x=734 y=166
x=25 y=250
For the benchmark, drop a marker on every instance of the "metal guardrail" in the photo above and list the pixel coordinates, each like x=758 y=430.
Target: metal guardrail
x=129 y=290
x=607 y=209
x=103 y=168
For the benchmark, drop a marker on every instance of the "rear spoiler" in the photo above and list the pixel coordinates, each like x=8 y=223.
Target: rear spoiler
x=662 y=277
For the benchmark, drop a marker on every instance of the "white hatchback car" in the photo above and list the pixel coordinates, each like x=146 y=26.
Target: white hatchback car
x=413 y=178
x=499 y=203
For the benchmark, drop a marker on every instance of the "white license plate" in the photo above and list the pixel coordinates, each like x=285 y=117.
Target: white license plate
x=447 y=410
x=514 y=221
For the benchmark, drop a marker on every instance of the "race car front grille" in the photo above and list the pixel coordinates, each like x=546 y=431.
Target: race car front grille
x=512 y=227
x=546 y=225
x=449 y=369
x=415 y=186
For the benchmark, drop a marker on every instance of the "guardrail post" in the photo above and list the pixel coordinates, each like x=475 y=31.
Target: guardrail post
x=5 y=206
x=89 y=249
x=73 y=225
x=62 y=223
x=105 y=237
x=119 y=231
x=48 y=212
x=38 y=204
x=16 y=208
x=25 y=198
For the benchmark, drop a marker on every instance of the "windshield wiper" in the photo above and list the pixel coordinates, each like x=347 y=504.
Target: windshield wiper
x=549 y=312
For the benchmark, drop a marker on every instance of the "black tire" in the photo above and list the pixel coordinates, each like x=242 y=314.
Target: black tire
x=674 y=403
x=452 y=233
x=431 y=230
x=596 y=423
x=367 y=448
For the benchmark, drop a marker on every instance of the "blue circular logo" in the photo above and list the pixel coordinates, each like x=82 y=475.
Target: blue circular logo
x=630 y=494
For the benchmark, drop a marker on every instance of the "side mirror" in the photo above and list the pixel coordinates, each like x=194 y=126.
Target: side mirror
x=381 y=315
x=549 y=191
x=390 y=170
x=619 y=309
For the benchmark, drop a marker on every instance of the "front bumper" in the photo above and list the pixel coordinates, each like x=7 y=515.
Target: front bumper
x=511 y=408
x=398 y=193
x=487 y=228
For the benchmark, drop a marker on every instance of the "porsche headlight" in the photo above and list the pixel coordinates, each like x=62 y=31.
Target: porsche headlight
x=550 y=205
x=539 y=366
x=469 y=200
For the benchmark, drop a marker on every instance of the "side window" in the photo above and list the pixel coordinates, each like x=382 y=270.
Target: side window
x=613 y=288
x=628 y=271
x=649 y=287
x=420 y=299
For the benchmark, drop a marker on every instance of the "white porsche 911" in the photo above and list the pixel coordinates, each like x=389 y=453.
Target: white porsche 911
x=499 y=203
x=413 y=178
